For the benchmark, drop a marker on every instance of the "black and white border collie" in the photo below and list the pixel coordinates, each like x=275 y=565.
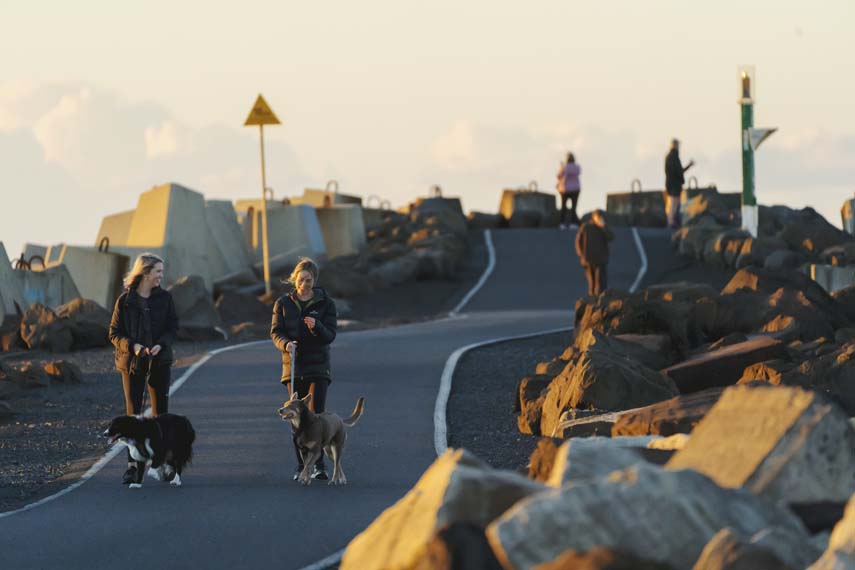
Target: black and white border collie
x=164 y=444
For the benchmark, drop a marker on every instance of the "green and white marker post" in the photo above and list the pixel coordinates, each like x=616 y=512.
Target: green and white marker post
x=751 y=139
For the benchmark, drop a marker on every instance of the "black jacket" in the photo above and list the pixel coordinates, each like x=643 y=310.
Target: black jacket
x=313 y=346
x=592 y=244
x=674 y=178
x=127 y=326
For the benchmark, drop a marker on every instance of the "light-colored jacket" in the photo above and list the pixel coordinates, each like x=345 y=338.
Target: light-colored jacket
x=568 y=177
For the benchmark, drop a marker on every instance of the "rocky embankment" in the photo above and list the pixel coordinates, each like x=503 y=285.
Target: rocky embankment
x=787 y=238
x=687 y=428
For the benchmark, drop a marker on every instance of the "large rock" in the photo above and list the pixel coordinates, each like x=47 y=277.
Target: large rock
x=603 y=380
x=811 y=233
x=531 y=393
x=342 y=281
x=635 y=350
x=727 y=551
x=754 y=251
x=459 y=546
x=846 y=301
x=197 y=317
x=456 y=488
x=89 y=321
x=602 y=559
x=64 y=371
x=236 y=308
x=785 y=444
x=784 y=259
x=840 y=554
x=42 y=329
x=591 y=457
x=659 y=515
x=691 y=241
x=723 y=367
x=677 y=415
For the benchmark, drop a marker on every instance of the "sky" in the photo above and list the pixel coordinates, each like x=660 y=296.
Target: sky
x=101 y=100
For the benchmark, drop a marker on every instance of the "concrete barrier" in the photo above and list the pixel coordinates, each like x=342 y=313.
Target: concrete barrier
x=343 y=229
x=97 y=275
x=116 y=228
x=328 y=197
x=33 y=251
x=169 y=221
x=228 y=251
x=530 y=201
x=847 y=213
x=833 y=277
x=50 y=287
x=11 y=294
x=292 y=231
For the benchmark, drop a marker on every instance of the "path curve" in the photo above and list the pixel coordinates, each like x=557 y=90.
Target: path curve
x=239 y=508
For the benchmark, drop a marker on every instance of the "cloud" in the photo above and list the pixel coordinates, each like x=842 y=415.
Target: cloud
x=75 y=153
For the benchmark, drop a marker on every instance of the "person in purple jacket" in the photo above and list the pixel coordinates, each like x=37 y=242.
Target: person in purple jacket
x=568 y=187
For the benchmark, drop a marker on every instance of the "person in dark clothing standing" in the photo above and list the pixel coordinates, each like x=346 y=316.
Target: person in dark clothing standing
x=592 y=246
x=303 y=327
x=674 y=179
x=143 y=330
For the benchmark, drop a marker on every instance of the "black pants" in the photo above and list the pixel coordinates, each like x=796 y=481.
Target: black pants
x=158 y=389
x=574 y=199
x=597 y=278
x=320 y=401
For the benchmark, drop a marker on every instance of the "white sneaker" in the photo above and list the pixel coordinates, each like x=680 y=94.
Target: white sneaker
x=562 y=227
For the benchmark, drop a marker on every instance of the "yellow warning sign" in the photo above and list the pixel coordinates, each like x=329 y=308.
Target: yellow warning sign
x=261 y=114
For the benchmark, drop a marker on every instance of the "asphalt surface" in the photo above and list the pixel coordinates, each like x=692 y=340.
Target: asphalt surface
x=238 y=507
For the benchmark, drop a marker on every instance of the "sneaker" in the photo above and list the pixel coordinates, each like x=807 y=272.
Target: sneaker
x=562 y=226
x=319 y=473
x=574 y=226
x=297 y=473
x=130 y=475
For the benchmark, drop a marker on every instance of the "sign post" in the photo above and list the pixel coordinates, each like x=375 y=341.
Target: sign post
x=261 y=114
x=751 y=139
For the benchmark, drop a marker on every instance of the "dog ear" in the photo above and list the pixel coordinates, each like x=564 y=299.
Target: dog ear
x=293 y=396
x=307 y=400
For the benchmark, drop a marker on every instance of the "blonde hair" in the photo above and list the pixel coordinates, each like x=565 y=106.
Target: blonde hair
x=142 y=266
x=305 y=264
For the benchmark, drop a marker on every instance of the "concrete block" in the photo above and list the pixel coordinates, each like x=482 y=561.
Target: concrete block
x=292 y=231
x=847 y=214
x=51 y=287
x=833 y=277
x=11 y=293
x=782 y=443
x=34 y=251
x=97 y=275
x=343 y=229
x=169 y=221
x=116 y=228
x=228 y=251
x=328 y=197
x=526 y=200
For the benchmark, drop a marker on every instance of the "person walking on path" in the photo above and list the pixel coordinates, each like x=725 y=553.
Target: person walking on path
x=674 y=179
x=143 y=329
x=568 y=187
x=303 y=327
x=592 y=247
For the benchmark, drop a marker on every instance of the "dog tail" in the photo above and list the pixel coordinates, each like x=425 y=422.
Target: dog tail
x=357 y=413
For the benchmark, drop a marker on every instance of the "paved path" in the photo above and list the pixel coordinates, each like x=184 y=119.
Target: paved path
x=238 y=507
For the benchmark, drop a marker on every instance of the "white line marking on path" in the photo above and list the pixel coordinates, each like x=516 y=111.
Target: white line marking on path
x=440 y=433
x=643 y=270
x=491 y=264
x=114 y=451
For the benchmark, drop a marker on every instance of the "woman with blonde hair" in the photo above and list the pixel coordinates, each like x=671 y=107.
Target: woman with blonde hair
x=304 y=325
x=143 y=330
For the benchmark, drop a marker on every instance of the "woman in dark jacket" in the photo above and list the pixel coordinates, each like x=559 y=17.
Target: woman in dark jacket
x=304 y=322
x=143 y=329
